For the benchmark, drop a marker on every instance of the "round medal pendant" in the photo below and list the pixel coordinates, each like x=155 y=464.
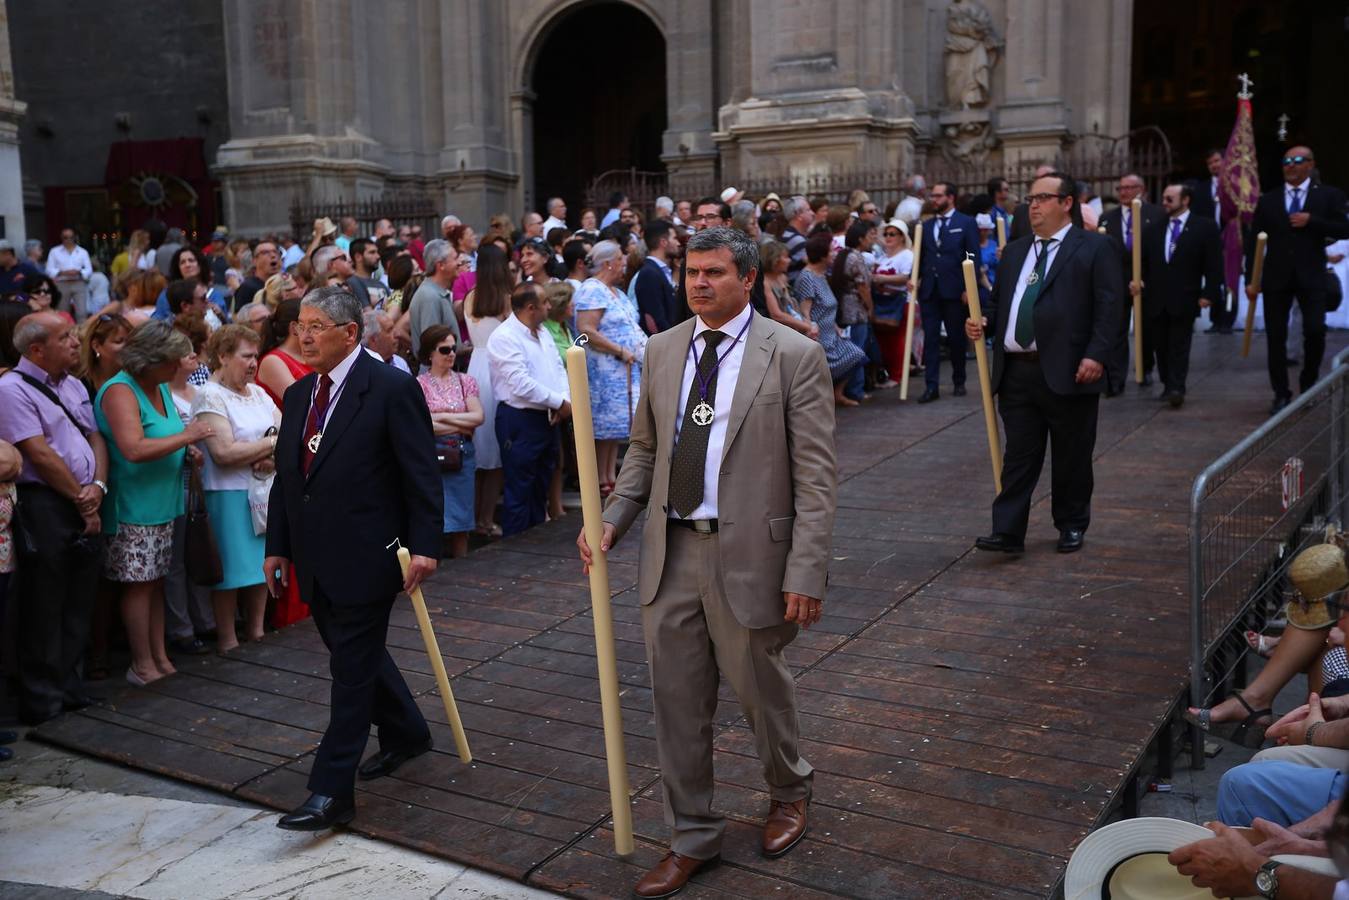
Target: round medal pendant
x=1032 y=278
x=314 y=442
x=702 y=414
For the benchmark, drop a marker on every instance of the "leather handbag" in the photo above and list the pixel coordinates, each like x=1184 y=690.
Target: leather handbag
x=201 y=554
x=450 y=447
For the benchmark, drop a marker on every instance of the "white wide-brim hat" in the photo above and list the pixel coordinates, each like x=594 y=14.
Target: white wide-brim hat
x=1096 y=858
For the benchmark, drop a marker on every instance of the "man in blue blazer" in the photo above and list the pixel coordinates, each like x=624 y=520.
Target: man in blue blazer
x=655 y=287
x=1056 y=338
x=947 y=238
x=355 y=469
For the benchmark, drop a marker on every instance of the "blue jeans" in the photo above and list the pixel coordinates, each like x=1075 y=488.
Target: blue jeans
x=1278 y=791
x=529 y=453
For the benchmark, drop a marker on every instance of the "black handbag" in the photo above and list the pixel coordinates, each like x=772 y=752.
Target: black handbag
x=1334 y=291
x=201 y=554
x=450 y=453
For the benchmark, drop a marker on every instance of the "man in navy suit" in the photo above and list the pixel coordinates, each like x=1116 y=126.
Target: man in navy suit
x=1118 y=225
x=355 y=469
x=948 y=239
x=1300 y=218
x=1182 y=268
x=655 y=288
x=1056 y=340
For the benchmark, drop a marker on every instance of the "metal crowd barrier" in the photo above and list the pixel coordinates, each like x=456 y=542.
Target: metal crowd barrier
x=1251 y=512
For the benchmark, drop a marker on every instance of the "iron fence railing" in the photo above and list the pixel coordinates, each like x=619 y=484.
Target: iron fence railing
x=1251 y=512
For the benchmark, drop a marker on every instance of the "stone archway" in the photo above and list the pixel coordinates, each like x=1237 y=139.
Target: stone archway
x=598 y=99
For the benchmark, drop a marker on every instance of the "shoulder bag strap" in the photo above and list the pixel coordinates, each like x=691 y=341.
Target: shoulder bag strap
x=51 y=395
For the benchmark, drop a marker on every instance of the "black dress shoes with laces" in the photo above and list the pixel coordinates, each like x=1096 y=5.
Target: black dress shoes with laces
x=1070 y=540
x=929 y=395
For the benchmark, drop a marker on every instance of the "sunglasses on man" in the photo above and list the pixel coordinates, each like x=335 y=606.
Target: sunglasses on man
x=1296 y=160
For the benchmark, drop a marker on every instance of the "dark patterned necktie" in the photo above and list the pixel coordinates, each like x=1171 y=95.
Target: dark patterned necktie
x=690 y=456
x=313 y=426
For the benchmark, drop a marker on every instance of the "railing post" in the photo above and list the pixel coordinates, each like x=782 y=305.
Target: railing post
x=1198 y=643
x=1336 y=505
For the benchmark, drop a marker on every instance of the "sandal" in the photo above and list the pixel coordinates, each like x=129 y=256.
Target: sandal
x=1261 y=644
x=1247 y=733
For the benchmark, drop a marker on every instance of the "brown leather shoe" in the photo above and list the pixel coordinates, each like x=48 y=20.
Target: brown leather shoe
x=671 y=874
x=785 y=827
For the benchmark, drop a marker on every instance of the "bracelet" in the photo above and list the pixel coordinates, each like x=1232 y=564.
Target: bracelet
x=1309 y=735
x=102 y=486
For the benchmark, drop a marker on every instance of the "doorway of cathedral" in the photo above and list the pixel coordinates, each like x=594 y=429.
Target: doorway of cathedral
x=599 y=104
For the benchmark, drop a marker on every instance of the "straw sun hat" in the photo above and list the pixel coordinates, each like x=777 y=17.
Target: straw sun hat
x=1128 y=859
x=1319 y=570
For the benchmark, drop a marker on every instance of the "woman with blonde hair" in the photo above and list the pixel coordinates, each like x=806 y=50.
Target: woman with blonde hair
x=243 y=422
x=280 y=286
x=140 y=292
x=146 y=443
x=101 y=340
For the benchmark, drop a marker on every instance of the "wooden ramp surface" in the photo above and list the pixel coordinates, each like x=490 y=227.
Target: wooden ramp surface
x=970 y=717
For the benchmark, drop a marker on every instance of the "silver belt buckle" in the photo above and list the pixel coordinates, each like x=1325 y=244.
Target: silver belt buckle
x=702 y=526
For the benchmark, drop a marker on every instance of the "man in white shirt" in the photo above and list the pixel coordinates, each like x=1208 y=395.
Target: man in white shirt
x=69 y=266
x=557 y=215
x=533 y=397
x=379 y=343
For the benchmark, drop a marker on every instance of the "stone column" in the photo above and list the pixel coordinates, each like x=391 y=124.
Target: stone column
x=1032 y=119
x=689 y=153
x=11 y=113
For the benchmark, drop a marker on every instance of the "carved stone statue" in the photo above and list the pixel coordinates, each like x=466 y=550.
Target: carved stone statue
x=972 y=46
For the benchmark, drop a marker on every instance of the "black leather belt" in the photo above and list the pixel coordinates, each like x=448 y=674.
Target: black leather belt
x=702 y=526
x=1026 y=356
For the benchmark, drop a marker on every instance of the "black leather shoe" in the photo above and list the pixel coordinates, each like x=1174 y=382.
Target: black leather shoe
x=1000 y=543
x=1070 y=540
x=1280 y=401
x=929 y=395
x=192 y=646
x=385 y=762
x=959 y=390
x=1176 y=399
x=319 y=813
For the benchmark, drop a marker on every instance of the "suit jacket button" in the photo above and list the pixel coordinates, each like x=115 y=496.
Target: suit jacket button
x=306 y=498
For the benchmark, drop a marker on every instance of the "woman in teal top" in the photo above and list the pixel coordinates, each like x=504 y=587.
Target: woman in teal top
x=146 y=443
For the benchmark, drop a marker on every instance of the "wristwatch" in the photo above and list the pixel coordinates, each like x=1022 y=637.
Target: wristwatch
x=1267 y=881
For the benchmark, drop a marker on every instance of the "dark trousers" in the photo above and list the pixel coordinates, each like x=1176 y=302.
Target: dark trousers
x=56 y=600
x=529 y=453
x=1278 y=304
x=367 y=689
x=1171 y=336
x=1034 y=417
x=952 y=313
x=1219 y=316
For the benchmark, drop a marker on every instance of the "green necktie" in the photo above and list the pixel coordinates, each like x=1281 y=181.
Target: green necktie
x=1025 y=314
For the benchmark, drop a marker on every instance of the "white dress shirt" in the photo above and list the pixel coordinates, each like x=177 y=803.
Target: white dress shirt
x=552 y=222
x=339 y=379
x=1056 y=241
x=727 y=375
x=1216 y=194
x=60 y=259
x=1166 y=239
x=526 y=368
x=1287 y=196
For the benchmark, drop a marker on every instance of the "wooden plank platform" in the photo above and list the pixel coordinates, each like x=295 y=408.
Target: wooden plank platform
x=970 y=716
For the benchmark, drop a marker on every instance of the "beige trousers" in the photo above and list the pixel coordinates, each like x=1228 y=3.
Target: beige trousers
x=692 y=634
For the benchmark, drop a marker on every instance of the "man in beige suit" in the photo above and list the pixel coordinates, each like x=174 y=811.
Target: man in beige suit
x=731 y=466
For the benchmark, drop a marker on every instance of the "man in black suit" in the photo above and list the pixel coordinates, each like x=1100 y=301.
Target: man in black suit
x=655 y=288
x=1300 y=218
x=1055 y=309
x=949 y=238
x=1207 y=204
x=1182 y=269
x=355 y=469
x=1118 y=224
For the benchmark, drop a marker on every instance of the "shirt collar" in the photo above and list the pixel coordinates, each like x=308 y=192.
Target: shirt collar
x=731 y=328
x=340 y=371
x=1057 y=237
x=1182 y=218
x=522 y=327
x=660 y=262
x=28 y=367
x=1302 y=188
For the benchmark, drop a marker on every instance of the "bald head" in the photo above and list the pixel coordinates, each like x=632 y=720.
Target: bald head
x=1298 y=164
x=49 y=341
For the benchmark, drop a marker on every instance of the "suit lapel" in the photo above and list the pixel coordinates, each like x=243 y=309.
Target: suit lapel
x=753 y=367
x=348 y=402
x=667 y=399
x=1071 y=241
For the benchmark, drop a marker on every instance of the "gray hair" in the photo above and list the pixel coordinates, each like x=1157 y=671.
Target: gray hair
x=795 y=205
x=601 y=253
x=174 y=236
x=323 y=256
x=153 y=343
x=32 y=329
x=448 y=222
x=433 y=253
x=371 y=327
x=31 y=244
x=247 y=310
x=743 y=249
x=664 y=203
x=337 y=303
x=555 y=202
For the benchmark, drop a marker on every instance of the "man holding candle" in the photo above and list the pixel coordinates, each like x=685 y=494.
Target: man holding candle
x=1300 y=217
x=1119 y=227
x=1056 y=341
x=341 y=494
x=731 y=469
